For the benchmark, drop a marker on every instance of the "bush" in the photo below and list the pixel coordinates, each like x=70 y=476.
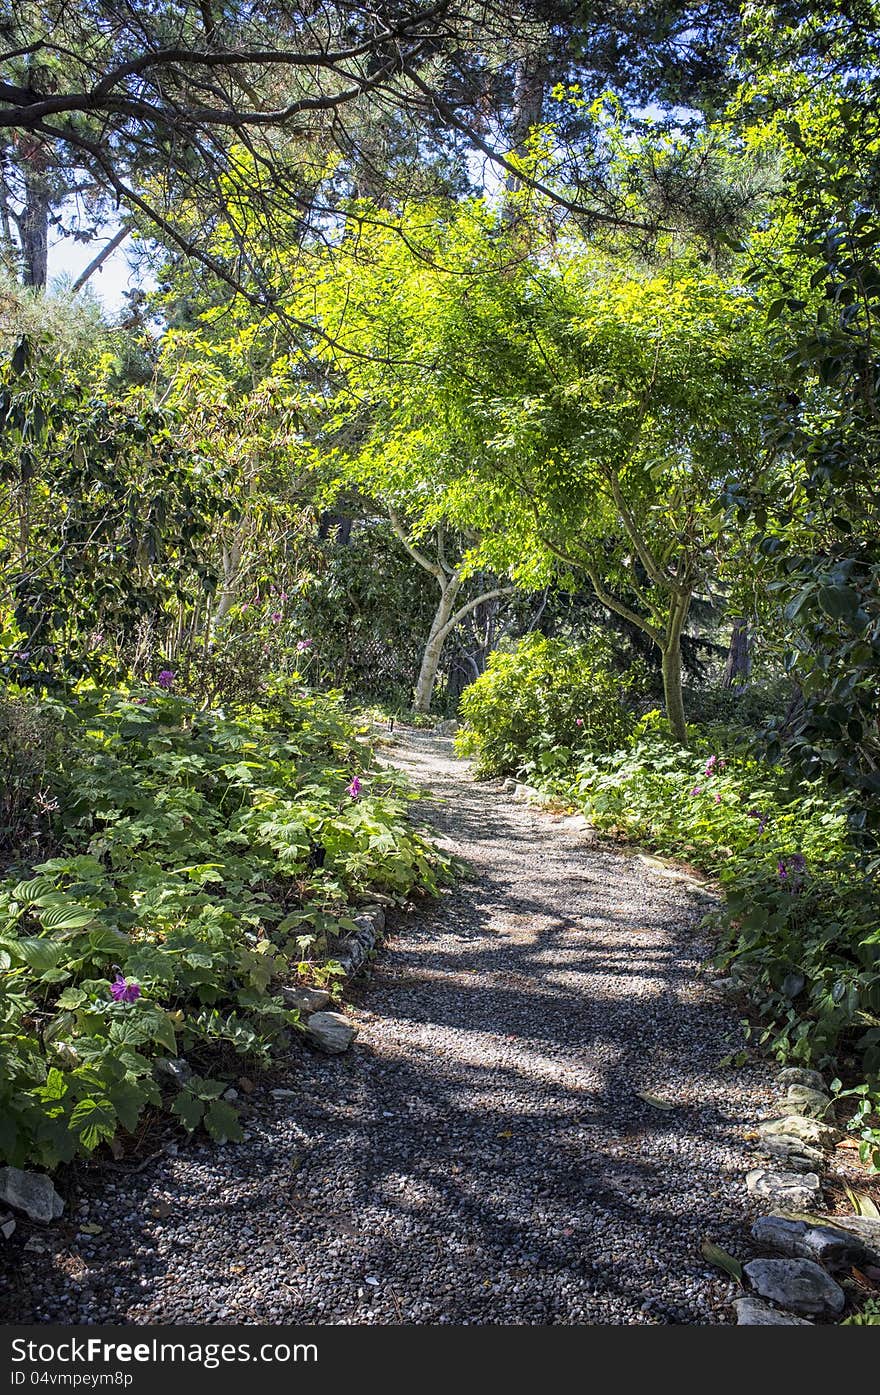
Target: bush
x=538 y=707
x=204 y=858
x=31 y=741
x=800 y=921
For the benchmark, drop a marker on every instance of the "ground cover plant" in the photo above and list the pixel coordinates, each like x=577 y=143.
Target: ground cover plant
x=201 y=860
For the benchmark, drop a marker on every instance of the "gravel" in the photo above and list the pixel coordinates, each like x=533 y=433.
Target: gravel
x=482 y=1153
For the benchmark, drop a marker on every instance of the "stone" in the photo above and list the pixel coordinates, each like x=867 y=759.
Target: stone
x=447 y=728
x=864 y=1227
x=812 y=1131
x=509 y=786
x=377 y=916
x=230 y=1094
x=753 y=1312
x=7 y=1227
x=304 y=999
x=723 y=985
x=800 y=1157
x=30 y=1192
x=798 y=1285
x=526 y=792
x=331 y=1032
x=800 y=1075
x=179 y=1069
x=803 y=1239
x=812 y=1103
x=794 y=1190
x=283 y=1094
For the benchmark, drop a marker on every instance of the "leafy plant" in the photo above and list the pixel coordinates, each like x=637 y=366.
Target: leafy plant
x=205 y=858
x=536 y=708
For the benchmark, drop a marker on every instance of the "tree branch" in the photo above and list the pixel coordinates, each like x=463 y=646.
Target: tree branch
x=97 y=262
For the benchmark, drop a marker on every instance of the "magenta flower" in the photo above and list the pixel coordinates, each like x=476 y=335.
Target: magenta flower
x=710 y=766
x=717 y=796
x=354 y=789
x=303 y=644
x=276 y=616
x=125 y=990
x=165 y=678
x=578 y=721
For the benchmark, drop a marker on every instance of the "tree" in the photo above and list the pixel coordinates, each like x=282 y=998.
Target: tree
x=572 y=418
x=193 y=116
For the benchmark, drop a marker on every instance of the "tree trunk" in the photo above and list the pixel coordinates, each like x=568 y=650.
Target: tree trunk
x=34 y=231
x=671 y=665
x=739 y=655
x=424 y=688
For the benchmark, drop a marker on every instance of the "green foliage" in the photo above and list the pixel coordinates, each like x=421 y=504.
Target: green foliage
x=535 y=709
x=205 y=857
x=867 y=1316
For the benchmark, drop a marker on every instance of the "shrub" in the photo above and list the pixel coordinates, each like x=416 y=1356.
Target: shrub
x=31 y=740
x=204 y=857
x=536 y=708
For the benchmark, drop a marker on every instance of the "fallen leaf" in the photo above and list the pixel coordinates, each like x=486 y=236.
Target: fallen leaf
x=507 y=1133
x=655 y=1101
x=91 y=1229
x=246 y=1085
x=714 y=1254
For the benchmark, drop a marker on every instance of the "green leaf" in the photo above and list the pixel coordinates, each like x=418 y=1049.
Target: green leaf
x=93 y=1120
x=713 y=1254
x=222 y=1122
x=188 y=1109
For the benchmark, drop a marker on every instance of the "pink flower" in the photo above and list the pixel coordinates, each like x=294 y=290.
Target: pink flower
x=303 y=644
x=717 y=796
x=354 y=789
x=578 y=721
x=125 y=990
x=276 y=615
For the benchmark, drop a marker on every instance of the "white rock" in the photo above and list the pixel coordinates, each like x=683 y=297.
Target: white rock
x=793 y=1190
x=7 y=1227
x=331 y=1032
x=447 y=728
x=796 y=1284
x=30 y=1192
x=799 y=1156
x=304 y=999
x=812 y=1103
x=810 y=1131
x=753 y=1312
x=800 y=1075
x=823 y=1241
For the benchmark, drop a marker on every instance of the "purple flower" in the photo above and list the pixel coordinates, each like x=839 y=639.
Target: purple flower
x=125 y=990
x=710 y=766
x=23 y=655
x=303 y=644
x=762 y=818
x=276 y=616
x=781 y=869
x=697 y=789
x=717 y=796
x=165 y=678
x=354 y=789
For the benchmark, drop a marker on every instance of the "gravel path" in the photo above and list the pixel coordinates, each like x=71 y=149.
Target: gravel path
x=481 y=1155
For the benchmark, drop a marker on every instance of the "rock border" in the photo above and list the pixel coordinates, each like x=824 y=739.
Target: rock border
x=805 y=1252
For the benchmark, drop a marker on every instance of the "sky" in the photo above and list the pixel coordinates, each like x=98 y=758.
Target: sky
x=68 y=258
